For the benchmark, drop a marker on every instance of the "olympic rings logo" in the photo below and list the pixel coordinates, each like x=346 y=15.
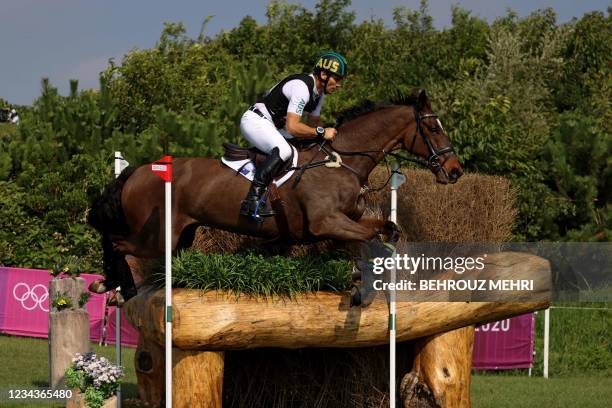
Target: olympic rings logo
x=30 y=299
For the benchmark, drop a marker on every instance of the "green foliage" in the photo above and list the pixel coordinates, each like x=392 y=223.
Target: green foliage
x=74 y=378
x=579 y=171
x=94 y=398
x=84 y=298
x=254 y=274
x=525 y=98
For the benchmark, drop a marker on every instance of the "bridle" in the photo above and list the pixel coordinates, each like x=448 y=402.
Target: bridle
x=432 y=162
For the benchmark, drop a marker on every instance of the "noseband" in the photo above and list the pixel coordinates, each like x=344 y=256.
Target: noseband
x=433 y=160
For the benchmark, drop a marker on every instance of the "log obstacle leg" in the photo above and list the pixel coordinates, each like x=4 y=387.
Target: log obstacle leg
x=441 y=373
x=149 y=364
x=197 y=376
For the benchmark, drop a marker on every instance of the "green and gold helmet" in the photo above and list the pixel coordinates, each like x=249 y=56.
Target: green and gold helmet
x=332 y=63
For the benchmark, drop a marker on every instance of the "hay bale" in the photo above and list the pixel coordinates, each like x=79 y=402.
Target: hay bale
x=477 y=208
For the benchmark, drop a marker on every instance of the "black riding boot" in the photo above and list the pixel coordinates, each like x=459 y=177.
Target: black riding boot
x=264 y=174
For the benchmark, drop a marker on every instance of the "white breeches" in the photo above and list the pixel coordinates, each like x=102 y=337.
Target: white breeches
x=262 y=133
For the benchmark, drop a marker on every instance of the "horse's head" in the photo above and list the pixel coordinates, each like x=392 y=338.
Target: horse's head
x=431 y=142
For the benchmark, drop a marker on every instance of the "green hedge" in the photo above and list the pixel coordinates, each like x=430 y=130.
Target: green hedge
x=256 y=274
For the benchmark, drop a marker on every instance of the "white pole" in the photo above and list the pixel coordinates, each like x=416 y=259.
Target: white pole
x=396 y=181
x=546 y=338
x=118 y=168
x=168 y=313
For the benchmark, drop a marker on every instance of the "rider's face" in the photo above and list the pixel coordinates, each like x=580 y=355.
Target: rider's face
x=333 y=84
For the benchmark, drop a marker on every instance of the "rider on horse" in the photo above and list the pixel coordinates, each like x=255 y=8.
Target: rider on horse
x=263 y=124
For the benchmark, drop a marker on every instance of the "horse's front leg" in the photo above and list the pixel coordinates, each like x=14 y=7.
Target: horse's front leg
x=387 y=228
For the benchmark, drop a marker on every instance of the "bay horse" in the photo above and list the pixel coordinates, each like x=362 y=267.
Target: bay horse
x=326 y=203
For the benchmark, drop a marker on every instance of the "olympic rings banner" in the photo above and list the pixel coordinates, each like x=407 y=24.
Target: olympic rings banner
x=24 y=307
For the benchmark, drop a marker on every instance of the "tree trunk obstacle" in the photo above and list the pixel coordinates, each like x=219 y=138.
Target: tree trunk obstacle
x=206 y=323
x=68 y=329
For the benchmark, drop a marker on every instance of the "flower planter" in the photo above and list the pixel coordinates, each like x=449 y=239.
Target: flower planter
x=78 y=401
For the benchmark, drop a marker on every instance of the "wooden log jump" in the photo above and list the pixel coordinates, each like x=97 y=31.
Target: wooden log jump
x=207 y=323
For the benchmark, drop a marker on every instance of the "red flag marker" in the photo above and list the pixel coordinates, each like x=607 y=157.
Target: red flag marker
x=163 y=168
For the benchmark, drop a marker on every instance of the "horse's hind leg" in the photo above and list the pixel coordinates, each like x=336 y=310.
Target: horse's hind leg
x=116 y=270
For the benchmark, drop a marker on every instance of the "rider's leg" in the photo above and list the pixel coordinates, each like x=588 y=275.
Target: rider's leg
x=263 y=134
x=263 y=177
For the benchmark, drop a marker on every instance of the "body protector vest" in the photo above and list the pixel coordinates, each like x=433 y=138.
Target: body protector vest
x=276 y=102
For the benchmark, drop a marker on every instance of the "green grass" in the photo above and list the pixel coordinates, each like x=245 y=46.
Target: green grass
x=24 y=364
x=580 y=340
x=255 y=274
x=499 y=391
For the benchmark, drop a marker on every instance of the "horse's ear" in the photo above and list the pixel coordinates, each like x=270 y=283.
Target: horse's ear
x=423 y=99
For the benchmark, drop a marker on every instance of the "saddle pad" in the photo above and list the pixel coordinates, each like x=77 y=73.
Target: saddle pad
x=247 y=168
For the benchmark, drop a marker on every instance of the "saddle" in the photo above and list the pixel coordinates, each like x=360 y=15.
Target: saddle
x=234 y=152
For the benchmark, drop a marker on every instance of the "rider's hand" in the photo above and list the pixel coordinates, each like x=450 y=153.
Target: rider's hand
x=330 y=134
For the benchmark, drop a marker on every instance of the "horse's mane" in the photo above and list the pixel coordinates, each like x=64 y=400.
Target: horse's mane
x=371 y=106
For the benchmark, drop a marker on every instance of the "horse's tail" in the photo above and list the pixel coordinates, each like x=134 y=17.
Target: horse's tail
x=106 y=214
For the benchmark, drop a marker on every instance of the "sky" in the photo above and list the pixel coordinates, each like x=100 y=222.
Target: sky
x=74 y=39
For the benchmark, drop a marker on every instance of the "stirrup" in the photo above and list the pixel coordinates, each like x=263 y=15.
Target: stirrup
x=259 y=212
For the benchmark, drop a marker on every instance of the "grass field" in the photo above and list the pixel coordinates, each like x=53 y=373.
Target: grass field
x=580 y=391
x=24 y=365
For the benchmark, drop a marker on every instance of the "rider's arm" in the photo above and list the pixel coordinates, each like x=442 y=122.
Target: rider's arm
x=298 y=95
x=298 y=129
x=314 y=120
x=301 y=130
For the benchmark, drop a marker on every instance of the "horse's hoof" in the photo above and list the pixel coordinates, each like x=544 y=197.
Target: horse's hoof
x=117 y=300
x=355 y=296
x=393 y=232
x=99 y=287
x=356 y=274
x=387 y=249
x=364 y=266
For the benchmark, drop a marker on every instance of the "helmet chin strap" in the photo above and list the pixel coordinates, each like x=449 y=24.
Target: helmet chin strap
x=324 y=82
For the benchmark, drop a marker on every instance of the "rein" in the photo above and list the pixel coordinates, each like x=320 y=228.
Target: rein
x=432 y=162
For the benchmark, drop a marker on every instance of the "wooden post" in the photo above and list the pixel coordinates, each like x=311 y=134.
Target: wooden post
x=68 y=328
x=200 y=372
x=149 y=362
x=441 y=373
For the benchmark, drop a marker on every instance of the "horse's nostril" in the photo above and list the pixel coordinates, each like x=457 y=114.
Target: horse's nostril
x=456 y=173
